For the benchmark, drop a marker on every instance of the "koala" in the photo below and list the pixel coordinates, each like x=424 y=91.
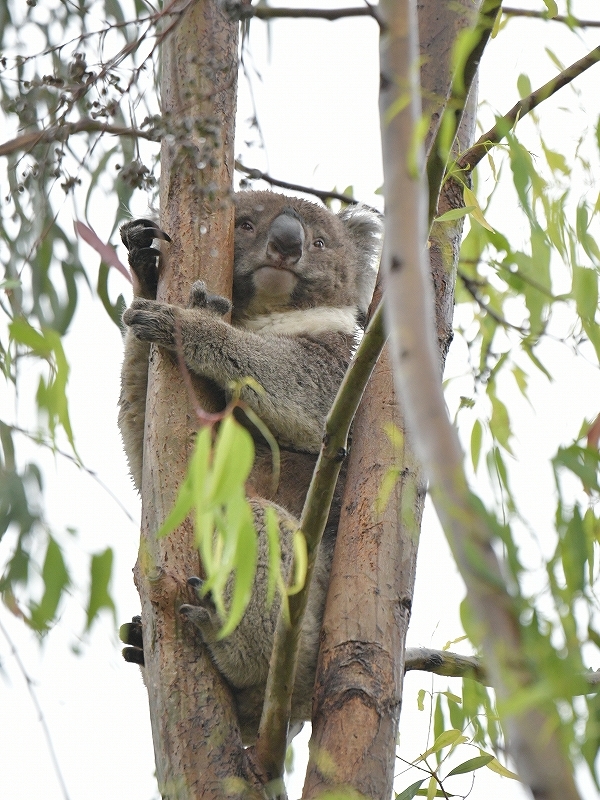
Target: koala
x=303 y=280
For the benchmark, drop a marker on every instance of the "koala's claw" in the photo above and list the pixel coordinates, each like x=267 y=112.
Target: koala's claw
x=200 y=298
x=131 y=634
x=194 y=582
x=140 y=233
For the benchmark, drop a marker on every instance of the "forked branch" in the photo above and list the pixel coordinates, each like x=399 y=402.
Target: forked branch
x=474 y=154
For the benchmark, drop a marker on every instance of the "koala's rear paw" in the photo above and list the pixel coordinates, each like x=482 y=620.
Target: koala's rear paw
x=204 y=615
x=144 y=260
x=200 y=298
x=131 y=634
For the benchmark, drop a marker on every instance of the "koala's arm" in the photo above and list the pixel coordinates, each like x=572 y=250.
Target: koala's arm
x=300 y=375
x=137 y=236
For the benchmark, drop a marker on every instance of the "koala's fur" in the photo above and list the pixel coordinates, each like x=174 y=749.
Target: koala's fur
x=303 y=280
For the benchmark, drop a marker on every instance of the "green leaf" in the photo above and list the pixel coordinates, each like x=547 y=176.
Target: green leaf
x=300 y=563
x=446 y=739
x=499 y=421
x=232 y=460
x=471 y=765
x=56 y=579
x=410 y=791
x=477 y=214
x=100 y=573
x=23 y=333
x=476 y=438
x=574 y=553
x=245 y=569
x=497 y=767
x=585 y=291
x=455 y=213
x=552 y=8
x=523 y=85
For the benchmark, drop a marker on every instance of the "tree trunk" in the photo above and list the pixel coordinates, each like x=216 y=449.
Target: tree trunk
x=196 y=741
x=361 y=664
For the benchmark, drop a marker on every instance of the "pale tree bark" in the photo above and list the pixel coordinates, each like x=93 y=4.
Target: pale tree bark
x=196 y=741
x=361 y=666
x=532 y=732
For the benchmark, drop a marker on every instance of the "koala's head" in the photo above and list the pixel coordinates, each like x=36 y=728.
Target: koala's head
x=293 y=254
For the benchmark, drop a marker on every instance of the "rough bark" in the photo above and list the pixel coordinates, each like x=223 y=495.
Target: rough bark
x=361 y=667
x=197 y=746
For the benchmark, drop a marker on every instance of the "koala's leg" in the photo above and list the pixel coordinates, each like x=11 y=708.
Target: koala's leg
x=243 y=656
x=132 y=403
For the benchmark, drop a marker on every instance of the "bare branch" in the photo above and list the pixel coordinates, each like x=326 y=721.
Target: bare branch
x=567 y=20
x=60 y=133
x=257 y=175
x=473 y=155
x=453 y=665
x=443 y=662
x=532 y=730
x=243 y=11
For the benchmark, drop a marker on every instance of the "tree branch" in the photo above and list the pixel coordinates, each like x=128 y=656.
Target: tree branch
x=257 y=175
x=443 y=662
x=453 y=665
x=243 y=11
x=532 y=730
x=568 y=20
x=474 y=154
x=471 y=286
x=60 y=133
x=461 y=86
x=271 y=742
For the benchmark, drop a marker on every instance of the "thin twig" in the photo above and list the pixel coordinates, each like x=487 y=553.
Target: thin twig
x=257 y=175
x=40 y=713
x=60 y=133
x=567 y=20
x=469 y=159
x=471 y=287
x=75 y=461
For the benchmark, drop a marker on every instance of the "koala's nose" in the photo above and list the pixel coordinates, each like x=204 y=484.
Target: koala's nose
x=286 y=239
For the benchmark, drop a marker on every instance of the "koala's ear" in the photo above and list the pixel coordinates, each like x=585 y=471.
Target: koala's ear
x=365 y=226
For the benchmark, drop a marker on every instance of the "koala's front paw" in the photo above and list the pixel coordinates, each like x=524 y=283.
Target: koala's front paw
x=200 y=298
x=131 y=634
x=152 y=322
x=144 y=260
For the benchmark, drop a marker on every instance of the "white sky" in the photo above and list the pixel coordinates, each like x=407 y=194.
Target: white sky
x=317 y=105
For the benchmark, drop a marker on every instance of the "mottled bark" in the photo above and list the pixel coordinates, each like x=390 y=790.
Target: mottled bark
x=197 y=745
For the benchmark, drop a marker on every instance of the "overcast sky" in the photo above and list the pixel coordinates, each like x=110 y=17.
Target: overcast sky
x=317 y=106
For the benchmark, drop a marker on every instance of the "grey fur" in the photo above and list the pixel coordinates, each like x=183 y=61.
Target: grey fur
x=303 y=278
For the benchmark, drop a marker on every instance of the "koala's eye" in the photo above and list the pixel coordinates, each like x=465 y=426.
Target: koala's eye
x=319 y=243
x=247 y=226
